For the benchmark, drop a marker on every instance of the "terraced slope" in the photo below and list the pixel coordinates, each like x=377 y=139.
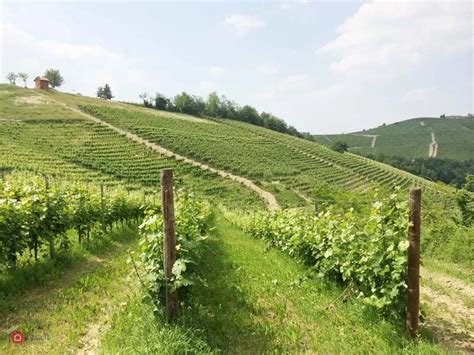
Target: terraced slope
x=51 y=130
x=254 y=152
x=82 y=150
x=454 y=139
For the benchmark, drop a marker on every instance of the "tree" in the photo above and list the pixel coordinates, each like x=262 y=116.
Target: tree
x=104 y=92
x=274 y=123
x=11 y=77
x=162 y=102
x=463 y=200
x=340 y=147
x=54 y=77
x=24 y=77
x=192 y=105
x=250 y=115
x=469 y=184
x=147 y=99
x=213 y=105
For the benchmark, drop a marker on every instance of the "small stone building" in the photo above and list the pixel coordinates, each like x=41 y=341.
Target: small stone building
x=41 y=83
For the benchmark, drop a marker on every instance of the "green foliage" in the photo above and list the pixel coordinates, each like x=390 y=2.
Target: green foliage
x=449 y=171
x=220 y=107
x=464 y=201
x=190 y=225
x=104 y=92
x=411 y=138
x=255 y=152
x=191 y=105
x=33 y=214
x=23 y=77
x=11 y=77
x=163 y=103
x=369 y=254
x=54 y=77
x=340 y=147
x=53 y=142
x=469 y=185
x=449 y=241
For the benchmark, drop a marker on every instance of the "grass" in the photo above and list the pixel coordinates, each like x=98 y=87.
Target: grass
x=411 y=138
x=252 y=300
x=56 y=313
x=256 y=301
x=449 y=268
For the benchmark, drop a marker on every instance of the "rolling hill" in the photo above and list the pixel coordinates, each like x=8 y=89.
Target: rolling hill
x=247 y=298
x=414 y=138
x=87 y=138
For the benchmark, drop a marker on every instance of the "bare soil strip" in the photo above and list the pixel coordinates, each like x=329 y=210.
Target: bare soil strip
x=452 y=282
x=267 y=196
x=450 y=318
x=433 y=152
x=373 y=136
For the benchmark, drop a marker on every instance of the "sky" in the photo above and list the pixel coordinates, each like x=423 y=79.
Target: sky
x=322 y=66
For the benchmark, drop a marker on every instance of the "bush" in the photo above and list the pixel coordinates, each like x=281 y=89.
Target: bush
x=340 y=147
x=190 y=217
x=369 y=254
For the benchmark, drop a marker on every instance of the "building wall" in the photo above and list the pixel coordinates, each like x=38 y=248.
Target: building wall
x=41 y=85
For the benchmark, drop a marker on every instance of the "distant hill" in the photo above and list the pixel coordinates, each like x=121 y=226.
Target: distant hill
x=445 y=138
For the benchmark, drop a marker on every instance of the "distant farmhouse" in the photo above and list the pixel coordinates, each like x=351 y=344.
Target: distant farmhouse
x=41 y=83
x=453 y=117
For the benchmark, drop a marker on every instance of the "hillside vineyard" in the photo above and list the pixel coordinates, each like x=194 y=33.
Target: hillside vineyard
x=256 y=153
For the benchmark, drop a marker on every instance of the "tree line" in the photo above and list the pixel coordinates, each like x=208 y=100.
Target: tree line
x=216 y=106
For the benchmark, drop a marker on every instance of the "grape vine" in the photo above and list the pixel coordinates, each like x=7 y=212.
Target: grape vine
x=371 y=254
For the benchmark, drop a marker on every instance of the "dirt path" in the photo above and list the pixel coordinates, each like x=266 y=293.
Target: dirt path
x=433 y=152
x=267 y=196
x=71 y=313
x=373 y=136
x=450 y=308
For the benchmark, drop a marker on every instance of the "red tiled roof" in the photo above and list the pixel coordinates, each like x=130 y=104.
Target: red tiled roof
x=41 y=78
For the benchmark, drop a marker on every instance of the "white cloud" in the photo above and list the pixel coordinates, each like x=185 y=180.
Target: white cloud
x=208 y=86
x=298 y=82
x=287 y=88
x=286 y=5
x=216 y=71
x=267 y=69
x=386 y=37
x=243 y=24
x=420 y=94
x=84 y=66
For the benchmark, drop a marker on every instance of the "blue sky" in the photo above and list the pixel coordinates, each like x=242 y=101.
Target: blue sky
x=324 y=67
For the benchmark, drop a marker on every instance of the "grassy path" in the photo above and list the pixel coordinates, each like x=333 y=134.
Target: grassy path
x=257 y=301
x=250 y=301
x=449 y=306
x=68 y=314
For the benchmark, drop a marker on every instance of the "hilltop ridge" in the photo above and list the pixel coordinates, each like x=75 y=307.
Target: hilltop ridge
x=451 y=137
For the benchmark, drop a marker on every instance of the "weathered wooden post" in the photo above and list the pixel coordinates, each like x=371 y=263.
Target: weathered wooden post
x=413 y=282
x=50 y=237
x=169 y=241
x=102 y=207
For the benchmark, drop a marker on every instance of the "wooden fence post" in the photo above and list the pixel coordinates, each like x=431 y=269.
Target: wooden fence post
x=102 y=207
x=413 y=282
x=50 y=237
x=169 y=242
